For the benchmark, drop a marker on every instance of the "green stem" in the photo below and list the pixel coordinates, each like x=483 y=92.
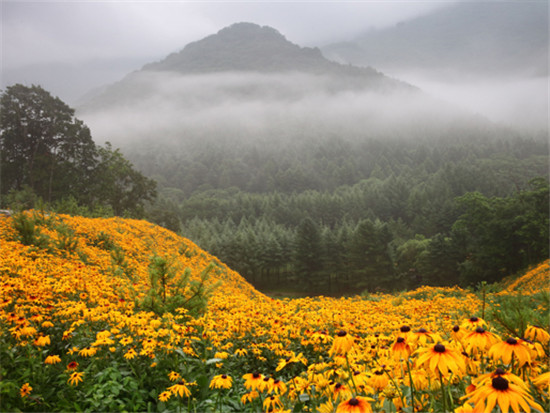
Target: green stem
x=411 y=384
x=443 y=395
x=351 y=375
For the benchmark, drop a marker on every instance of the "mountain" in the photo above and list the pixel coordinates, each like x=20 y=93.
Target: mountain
x=244 y=48
x=488 y=38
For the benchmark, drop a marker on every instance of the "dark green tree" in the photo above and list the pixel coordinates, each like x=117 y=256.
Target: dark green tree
x=308 y=252
x=49 y=152
x=43 y=146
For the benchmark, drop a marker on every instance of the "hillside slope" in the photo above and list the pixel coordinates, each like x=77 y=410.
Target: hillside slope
x=72 y=337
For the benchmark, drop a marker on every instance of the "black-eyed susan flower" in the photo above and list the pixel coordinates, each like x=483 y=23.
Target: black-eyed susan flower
x=42 y=341
x=53 y=359
x=249 y=397
x=293 y=358
x=130 y=354
x=422 y=336
x=440 y=359
x=253 y=381
x=512 y=378
x=340 y=390
x=473 y=322
x=174 y=376
x=355 y=404
x=536 y=333
x=25 y=390
x=512 y=347
x=221 y=381
x=75 y=378
x=272 y=403
x=542 y=382
x=401 y=349
x=73 y=365
x=457 y=333
x=88 y=352
x=342 y=344
x=180 y=388
x=378 y=380
x=165 y=395
x=326 y=407
x=479 y=340
x=241 y=352
x=499 y=391
x=277 y=387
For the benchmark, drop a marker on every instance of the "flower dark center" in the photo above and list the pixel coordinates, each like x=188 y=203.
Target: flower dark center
x=378 y=373
x=456 y=328
x=474 y=319
x=400 y=339
x=499 y=372
x=338 y=385
x=480 y=330
x=405 y=329
x=353 y=402
x=422 y=330
x=224 y=376
x=512 y=341
x=256 y=375
x=439 y=348
x=342 y=333
x=500 y=383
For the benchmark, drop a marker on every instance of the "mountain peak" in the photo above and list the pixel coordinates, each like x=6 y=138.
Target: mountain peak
x=241 y=47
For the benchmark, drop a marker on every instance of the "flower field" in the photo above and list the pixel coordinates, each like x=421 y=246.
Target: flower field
x=119 y=314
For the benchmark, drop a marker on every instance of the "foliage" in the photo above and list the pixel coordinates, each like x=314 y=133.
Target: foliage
x=72 y=339
x=173 y=292
x=48 y=154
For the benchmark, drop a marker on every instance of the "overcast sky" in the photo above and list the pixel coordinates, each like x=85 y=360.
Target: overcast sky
x=71 y=45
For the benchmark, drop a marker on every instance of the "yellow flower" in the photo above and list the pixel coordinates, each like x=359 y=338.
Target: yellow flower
x=356 y=404
x=173 y=376
x=342 y=344
x=441 y=360
x=241 y=352
x=536 y=333
x=165 y=395
x=87 y=352
x=272 y=402
x=25 y=390
x=248 y=397
x=401 y=350
x=53 y=359
x=479 y=340
x=76 y=377
x=42 y=341
x=221 y=381
x=499 y=391
x=253 y=381
x=505 y=350
x=180 y=388
x=130 y=354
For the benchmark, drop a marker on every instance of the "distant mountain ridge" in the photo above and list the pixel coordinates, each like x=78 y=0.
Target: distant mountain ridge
x=243 y=46
x=246 y=47
x=489 y=37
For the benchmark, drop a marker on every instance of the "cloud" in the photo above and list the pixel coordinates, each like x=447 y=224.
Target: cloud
x=265 y=108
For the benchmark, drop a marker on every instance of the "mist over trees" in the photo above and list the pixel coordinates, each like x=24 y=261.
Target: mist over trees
x=306 y=174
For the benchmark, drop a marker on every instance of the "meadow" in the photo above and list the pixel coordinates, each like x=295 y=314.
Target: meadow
x=113 y=314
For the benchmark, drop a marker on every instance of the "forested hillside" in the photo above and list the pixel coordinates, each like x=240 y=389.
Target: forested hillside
x=378 y=215
x=298 y=171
